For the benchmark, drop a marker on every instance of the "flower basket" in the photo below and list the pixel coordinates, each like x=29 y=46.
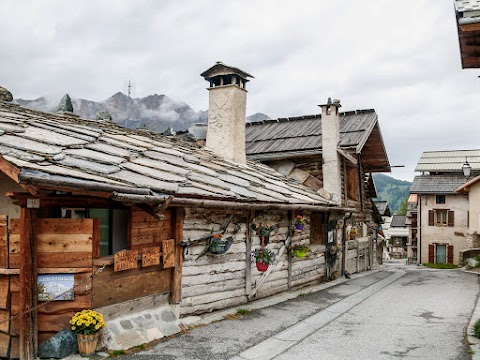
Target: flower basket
x=299 y=226
x=87 y=343
x=261 y=266
x=264 y=232
x=262 y=258
x=299 y=222
x=300 y=251
x=300 y=254
x=219 y=245
x=86 y=324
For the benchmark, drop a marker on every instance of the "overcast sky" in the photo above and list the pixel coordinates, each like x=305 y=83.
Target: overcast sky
x=399 y=57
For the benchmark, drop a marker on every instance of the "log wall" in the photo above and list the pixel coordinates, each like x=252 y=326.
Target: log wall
x=213 y=282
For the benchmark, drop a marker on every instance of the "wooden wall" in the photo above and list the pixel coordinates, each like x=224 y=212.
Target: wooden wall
x=63 y=246
x=111 y=287
x=212 y=282
x=4 y=290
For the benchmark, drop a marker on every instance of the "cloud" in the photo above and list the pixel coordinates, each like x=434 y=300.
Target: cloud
x=400 y=58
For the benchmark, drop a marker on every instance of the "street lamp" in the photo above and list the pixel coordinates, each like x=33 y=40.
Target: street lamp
x=467 y=169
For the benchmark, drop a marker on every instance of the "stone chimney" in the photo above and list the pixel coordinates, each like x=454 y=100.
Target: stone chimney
x=227 y=108
x=332 y=178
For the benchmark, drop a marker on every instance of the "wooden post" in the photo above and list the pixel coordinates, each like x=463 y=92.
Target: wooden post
x=176 y=279
x=27 y=283
x=289 y=255
x=248 y=251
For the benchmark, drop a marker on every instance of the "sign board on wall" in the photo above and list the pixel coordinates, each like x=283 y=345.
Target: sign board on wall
x=55 y=287
x=168 y=253
x=151 y=256
x=125 y=259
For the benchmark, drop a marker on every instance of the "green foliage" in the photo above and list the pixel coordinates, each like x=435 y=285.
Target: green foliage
x=117 y=352
x=402 y=210
x=391 y=190
x=441 y=266
x=243 y=311
x=476 y=329
x=139 y=347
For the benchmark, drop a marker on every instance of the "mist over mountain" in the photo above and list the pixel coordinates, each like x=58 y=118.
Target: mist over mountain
x=154 y=112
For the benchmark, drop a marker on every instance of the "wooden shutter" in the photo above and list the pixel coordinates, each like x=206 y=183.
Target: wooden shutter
x=431 y=253
x=450 y=218
x=431 y=218
x=450 y=254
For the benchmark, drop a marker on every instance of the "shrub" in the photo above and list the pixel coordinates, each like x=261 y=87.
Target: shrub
x=476 y=329
x=441 y=266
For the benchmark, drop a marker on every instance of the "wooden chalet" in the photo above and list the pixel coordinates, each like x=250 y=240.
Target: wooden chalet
x=126 y=216
x=299 y=141
x=468 y=26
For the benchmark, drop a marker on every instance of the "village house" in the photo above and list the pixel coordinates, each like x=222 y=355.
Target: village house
x=398 y=233
x=468 y=25
x=412 y=222
x=442 y=213
x=129 y=217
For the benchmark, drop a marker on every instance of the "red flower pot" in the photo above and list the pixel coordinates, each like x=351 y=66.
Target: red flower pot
x=262 y=267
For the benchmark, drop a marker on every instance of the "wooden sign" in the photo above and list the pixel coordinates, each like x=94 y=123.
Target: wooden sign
x=151 y=256
x=125 y=259
x=168 y=253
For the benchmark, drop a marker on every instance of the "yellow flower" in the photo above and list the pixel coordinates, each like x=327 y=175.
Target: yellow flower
x=73 y=327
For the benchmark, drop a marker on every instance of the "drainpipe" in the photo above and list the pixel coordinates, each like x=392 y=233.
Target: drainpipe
x=344 y=239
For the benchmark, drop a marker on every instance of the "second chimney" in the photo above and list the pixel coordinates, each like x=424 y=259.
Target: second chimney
x=332 y=177
x=227 y=108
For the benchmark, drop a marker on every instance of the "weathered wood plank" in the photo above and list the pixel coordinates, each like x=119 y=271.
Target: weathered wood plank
x=4 y=291
x=54 y=322
x=112 y=288
x=211 y=278
x=14 y=347
x=59 y=243
x=4 y=321
x=191 y=291
x=177 y=271
x=208 y=298
x=27 y=281
x=57 y=260
x=64 y=226
x=207 y=269
x=59 y=307
x=3 y=241
x=4 y=345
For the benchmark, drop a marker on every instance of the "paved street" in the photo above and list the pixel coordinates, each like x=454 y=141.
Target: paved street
x=400 y=312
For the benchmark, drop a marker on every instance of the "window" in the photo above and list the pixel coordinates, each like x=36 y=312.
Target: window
x=113 y=229
x=440 y=217
x=440 y=199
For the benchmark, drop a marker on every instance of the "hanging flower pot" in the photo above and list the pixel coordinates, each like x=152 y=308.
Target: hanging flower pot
x=261 y=266
x=300 y=254
x=300 y=251
x=299 y=226
x=219 y=245
x=299 y=222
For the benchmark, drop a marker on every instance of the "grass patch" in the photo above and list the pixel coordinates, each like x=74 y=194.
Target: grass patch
x=117 y=352
x=476 y=329
x=441 y=266
x=243 y=311
x=139 y=347
x=470 y=351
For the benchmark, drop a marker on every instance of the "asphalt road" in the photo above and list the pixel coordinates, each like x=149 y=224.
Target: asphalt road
x=422 y=314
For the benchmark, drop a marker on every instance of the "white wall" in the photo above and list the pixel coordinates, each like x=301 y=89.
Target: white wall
x=6 y=205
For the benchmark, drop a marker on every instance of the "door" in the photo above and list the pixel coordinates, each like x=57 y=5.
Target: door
x=441 y=254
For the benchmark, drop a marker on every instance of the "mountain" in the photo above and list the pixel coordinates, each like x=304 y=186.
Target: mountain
x=391 y=190
x=154 y=112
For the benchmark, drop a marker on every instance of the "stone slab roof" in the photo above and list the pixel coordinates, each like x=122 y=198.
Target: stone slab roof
x=448 y=161
x=75 y=153
x=436 y=184
x=382 y=207
x=398 y=221
x=302 y=136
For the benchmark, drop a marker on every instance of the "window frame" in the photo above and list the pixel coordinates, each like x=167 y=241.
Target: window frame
x=440 y=199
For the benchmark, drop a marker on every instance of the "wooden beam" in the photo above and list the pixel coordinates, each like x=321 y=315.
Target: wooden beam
x=8 y=169
x=65 y=201
x=176 y=278
x=470 y=27
x=347 y=156
x=27 y=282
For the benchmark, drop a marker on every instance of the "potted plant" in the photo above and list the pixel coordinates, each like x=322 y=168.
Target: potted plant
x=262 y=258
x=353 y=233
x=219 y=244
x=264 y=232
x=300 y=251
x=86 y=324
x=299 y=222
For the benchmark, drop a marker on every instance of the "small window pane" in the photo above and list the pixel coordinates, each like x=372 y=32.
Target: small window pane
x=440 y=199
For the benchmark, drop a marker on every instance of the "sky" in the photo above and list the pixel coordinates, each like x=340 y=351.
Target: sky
x=400 y=58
